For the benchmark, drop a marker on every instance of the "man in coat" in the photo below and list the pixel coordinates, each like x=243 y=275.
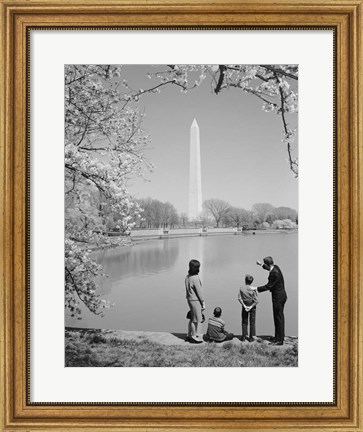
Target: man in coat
x=276 y=285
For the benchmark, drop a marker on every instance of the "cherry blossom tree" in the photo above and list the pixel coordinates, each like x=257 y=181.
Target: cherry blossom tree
x=104 y=146
x=284 y=224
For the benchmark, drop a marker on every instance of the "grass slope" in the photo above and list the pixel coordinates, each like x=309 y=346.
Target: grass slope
x=93 y=349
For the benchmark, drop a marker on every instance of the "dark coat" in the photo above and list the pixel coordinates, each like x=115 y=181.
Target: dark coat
x=276 y=285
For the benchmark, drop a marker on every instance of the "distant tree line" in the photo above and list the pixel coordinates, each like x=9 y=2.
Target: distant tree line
x=157 y=214
x=216 y=213
x=261 y=216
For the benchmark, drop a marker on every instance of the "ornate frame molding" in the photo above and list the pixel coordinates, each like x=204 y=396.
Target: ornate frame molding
x=345 y=17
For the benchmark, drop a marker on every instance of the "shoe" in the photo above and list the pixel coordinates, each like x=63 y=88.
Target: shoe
x=187 y=339
x=251 y=339
x=277 y=343
x=273 y=340
x=243 y=338
x=195 y=341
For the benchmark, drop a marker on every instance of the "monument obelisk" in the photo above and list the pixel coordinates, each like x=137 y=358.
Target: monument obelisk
x=195 y=177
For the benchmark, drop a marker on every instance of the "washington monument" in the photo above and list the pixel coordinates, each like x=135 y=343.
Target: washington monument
x=195 y=178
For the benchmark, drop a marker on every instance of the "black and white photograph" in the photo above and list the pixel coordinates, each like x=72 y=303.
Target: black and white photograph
x=181 y=215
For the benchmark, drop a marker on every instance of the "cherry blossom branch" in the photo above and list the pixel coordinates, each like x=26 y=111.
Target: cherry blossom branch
x=279 y=71
x=73 y=185
x=292 y=162
x=93 y=148
x=222 y=69
x=78 y=291
x=255 y=93
x=89 y=177
x=153 y=89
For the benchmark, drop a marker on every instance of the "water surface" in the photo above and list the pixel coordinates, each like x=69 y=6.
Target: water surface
x=146 y=281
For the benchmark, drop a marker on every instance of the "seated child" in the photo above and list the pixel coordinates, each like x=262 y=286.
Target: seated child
x=215 y=331
x=248 y=298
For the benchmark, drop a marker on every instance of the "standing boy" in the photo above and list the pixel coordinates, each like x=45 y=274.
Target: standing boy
x=248 y=298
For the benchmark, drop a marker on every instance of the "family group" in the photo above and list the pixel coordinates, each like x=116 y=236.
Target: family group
x=247 y=296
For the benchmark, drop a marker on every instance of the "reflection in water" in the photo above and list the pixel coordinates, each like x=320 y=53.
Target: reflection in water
x=195 y=251
x=139 y=260
x=146 y=281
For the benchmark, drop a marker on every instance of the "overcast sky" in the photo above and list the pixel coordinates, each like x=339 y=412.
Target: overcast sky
x=242 y=156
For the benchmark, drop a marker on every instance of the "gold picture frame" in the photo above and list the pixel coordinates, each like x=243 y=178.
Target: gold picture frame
x=345 y=18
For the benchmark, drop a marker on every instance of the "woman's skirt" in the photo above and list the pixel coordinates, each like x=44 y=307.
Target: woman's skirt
x=196 y=311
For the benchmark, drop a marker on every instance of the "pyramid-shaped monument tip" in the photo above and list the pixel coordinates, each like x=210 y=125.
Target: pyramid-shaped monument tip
x=195 y=124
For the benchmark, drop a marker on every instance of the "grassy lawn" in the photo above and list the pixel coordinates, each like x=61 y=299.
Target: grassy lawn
x=93 y=349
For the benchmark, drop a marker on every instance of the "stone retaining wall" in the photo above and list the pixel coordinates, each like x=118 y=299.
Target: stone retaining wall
x=161 y=233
